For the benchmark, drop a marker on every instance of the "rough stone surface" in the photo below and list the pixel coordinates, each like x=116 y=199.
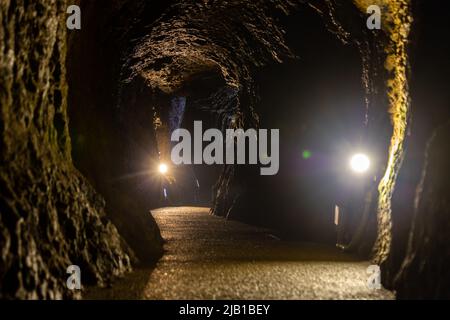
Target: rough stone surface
x=425 y=270
x=50 y=216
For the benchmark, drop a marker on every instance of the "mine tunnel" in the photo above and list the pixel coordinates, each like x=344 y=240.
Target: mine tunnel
x=87 y=172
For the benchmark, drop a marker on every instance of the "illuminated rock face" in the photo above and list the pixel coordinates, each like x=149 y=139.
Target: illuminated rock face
x=397 y=25
x=411 y=246
x=50 y=215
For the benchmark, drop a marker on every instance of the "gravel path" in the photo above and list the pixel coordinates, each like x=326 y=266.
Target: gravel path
x=208 y=257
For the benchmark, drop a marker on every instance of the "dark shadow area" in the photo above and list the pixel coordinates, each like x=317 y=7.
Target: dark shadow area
x=317 y=103
x=130 y=287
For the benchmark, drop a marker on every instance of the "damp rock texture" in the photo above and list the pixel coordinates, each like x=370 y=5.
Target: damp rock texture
x=232 y=37
x=425 y=270
x=51 y=217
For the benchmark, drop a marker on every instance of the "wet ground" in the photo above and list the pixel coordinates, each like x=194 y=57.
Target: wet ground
x=208 y=257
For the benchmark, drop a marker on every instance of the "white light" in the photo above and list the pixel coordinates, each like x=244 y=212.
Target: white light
x=163 y=168
x=360 y=163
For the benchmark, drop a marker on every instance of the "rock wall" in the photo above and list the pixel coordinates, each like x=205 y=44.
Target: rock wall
x=416 y=215
x=425 y=273
x=50 y=215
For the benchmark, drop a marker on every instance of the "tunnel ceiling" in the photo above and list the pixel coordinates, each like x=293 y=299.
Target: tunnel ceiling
x=233 y=39
x=191 y=37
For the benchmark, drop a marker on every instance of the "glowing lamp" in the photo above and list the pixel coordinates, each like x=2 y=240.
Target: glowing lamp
x=360 y=163
x=163 y=168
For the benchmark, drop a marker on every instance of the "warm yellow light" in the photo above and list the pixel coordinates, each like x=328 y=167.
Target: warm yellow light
x=163 y=168
x=360 y=163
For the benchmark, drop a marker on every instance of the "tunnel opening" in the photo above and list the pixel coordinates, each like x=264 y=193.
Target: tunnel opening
x=190 y=184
